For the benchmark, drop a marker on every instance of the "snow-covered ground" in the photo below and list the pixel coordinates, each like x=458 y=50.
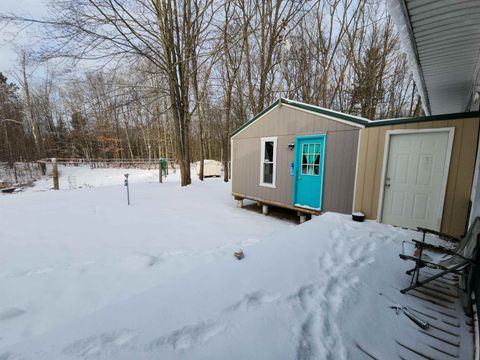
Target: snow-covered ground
x=65 y=254
x=84 y=276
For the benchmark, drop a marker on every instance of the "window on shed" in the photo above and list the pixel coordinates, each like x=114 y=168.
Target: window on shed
x=268 y=161
x=311 y=159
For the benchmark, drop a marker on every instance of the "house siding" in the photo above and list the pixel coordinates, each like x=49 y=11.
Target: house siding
x=286 y=123
x=460 y=175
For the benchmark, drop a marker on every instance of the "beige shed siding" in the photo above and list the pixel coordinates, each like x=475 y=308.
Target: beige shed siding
x=341 y=157
x=460 y=176
x=285 y=123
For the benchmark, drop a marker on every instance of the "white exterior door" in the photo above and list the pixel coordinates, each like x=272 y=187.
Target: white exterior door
x=415 y=179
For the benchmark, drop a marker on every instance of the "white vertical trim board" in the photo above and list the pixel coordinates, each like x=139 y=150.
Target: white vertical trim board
x=388 y=134
x=356 y=169
x=263 y=140
x=231 y=162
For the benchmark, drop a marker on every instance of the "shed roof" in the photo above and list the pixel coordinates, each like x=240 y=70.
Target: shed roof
x=442 y=41
x=356 y=120
x=335 y=115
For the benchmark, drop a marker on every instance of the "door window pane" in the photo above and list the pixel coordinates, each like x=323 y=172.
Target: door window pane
x=311 y=159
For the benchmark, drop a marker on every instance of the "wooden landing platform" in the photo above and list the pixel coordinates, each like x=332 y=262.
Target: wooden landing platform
x=300 y=210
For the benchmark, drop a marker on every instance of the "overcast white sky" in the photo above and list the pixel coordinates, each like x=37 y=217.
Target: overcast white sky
x=9 y=36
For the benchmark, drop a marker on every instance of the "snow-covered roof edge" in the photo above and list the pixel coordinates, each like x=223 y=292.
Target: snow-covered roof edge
x=399 y=12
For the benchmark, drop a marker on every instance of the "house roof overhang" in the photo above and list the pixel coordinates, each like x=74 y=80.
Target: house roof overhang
x=442 y=42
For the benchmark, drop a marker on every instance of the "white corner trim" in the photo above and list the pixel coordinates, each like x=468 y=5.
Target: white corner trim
x=263 y=140
x=231 y=163
x=356 y=169
x=388 y=134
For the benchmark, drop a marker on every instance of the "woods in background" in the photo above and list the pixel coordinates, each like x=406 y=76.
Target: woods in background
x=174 y=78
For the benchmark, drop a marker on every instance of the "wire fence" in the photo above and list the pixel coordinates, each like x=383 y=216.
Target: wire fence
x=20 y=173
x=26 y=172
x=110 y=163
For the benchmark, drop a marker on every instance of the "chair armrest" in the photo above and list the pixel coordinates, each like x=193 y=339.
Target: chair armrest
x=440 y=234
x=421 y=244
x=424 y=262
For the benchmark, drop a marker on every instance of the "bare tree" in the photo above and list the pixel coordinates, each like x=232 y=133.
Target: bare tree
x=23 y=79
x=263 y=23
x=160 y=31
x=177 y=76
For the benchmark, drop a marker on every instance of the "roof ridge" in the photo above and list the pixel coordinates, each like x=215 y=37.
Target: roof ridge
x=321 y=108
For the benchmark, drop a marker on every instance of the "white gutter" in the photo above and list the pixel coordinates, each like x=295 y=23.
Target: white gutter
x=399 y=12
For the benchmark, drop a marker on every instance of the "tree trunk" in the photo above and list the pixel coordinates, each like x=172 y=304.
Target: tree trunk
x=129 y=145
x=29 y=109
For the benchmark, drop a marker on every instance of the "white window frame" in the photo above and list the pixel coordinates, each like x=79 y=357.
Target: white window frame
x=263 y=140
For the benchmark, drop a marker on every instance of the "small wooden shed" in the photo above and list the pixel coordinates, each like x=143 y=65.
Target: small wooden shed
x=297 y=156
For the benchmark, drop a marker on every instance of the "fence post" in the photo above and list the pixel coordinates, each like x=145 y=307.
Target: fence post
x=43 y=168
x=160 y=171
x=55 y=174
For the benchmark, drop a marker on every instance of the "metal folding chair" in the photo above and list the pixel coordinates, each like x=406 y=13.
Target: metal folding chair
x=457 y=259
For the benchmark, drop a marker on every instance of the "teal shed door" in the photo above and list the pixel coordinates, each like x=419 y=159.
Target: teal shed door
x=308 y=171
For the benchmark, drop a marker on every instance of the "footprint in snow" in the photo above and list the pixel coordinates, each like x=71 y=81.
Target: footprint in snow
x=326 y=264
x=11 y=313
x=307 y=342
x=188 y=336
x=304 y=295
x=10 y=356
x=108 y=342
x=250 y=301
x=335 y=233
x=152 y=260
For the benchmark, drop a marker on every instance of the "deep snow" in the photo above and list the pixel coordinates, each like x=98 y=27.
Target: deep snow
x=66 y=253
x=157 y=280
